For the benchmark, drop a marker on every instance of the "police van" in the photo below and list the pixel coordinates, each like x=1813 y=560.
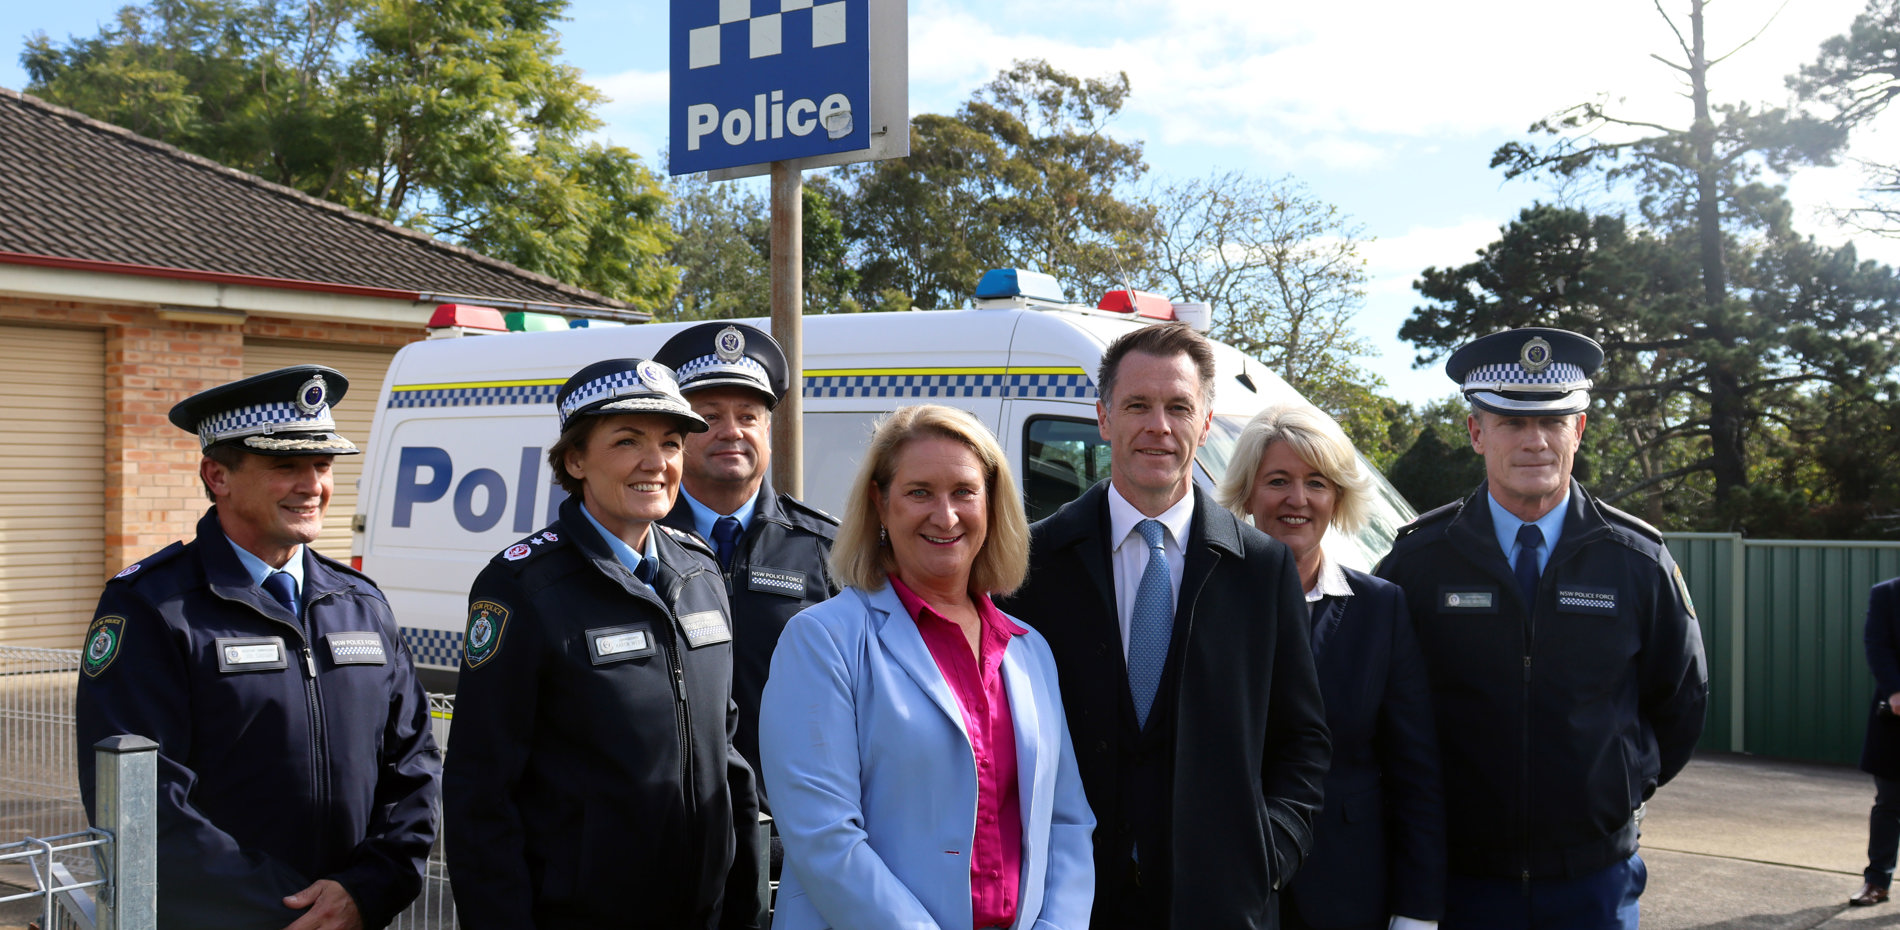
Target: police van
x=458 y=469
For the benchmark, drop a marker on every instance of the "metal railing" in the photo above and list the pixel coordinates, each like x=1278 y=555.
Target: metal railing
x=39 y=795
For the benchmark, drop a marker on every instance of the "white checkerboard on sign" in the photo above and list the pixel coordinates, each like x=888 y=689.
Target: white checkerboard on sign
x=765 y=34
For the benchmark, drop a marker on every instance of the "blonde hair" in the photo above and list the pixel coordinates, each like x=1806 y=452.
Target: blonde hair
x=859 y=559
x=1318 y=441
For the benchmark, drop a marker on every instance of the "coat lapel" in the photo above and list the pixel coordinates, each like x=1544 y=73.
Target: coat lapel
x=1327 y=622
x=905 y=645
x=1022 y=687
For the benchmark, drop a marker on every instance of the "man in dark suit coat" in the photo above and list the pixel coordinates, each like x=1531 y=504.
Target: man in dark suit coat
x=1182 y=651
x=1880 y=755
x=1381 y=837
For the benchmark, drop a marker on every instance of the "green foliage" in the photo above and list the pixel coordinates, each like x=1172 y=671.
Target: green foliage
x=449 y=116
x=723 y=251
x=1437 y=466
x=1024 y=175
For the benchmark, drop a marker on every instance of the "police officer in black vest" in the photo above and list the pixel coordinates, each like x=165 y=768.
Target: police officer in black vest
x=1566 y=665
x=772 y=547
x=297 y=773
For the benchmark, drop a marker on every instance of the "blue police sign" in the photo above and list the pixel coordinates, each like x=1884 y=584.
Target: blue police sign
x=759 y=81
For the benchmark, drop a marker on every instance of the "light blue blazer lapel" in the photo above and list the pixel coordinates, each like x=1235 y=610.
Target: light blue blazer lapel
x=1025 y=714
x=905 y=645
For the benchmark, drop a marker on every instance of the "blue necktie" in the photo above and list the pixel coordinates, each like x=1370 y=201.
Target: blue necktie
x=284 y=588
x=1150 y=623
x=645 y=571
x=1529 y=540
x=726 y=539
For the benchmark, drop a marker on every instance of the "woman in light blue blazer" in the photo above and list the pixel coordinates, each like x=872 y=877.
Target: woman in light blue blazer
x=911 y=735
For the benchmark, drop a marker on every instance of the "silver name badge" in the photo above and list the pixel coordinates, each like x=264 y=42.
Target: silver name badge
x=1484 y=600
x=619 y=643
x=251 y=654
x=705 y=628
x=360 y=648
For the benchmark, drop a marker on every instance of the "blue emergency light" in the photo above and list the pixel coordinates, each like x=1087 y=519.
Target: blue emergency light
x=1004 y=283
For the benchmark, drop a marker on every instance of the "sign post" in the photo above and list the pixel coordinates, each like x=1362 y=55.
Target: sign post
x=780 y=86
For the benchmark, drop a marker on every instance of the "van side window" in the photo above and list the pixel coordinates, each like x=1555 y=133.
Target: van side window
x=1061 y=459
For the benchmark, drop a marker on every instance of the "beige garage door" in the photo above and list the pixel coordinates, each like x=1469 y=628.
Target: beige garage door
x=365 y=369
x=52 y=483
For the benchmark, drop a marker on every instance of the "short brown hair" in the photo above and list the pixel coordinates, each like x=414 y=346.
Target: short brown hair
x=859 y=559
x=574 y=438
x=1162 y=340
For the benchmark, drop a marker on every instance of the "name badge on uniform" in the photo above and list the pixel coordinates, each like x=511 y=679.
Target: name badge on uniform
x=705 y=628
x=360 y=648
x=1582 y=599
x=618 y=643
x=251 y=654
x=1467 y=600
x=776 y=581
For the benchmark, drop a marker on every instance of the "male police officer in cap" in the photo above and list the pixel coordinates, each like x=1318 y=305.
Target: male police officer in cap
x=773 y=547
x=1566 y=664
x=297 y=773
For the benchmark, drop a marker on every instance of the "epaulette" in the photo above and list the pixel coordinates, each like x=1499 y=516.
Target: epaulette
x=535 y=544
x=1624 y=517
x=809 y=517
x=688 y=539
x=137 y=569
x=1429 y=517
x=341 y=567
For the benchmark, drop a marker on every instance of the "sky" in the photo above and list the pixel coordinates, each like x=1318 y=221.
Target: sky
x=1388 y=109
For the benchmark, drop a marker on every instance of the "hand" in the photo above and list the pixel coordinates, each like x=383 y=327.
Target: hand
x=331 y=908
x=1893 y=703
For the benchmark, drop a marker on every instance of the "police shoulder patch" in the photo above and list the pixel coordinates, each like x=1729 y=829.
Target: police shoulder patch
x=533 y=545
x=487 y=621
x=103 y=639
x=812 y=518
x=131 y=572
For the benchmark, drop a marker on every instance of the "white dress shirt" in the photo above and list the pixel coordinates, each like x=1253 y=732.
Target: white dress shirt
x=1129 y=557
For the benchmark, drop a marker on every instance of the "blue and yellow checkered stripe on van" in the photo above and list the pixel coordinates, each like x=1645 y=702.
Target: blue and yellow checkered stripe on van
x=909 y=383
x=440 y=648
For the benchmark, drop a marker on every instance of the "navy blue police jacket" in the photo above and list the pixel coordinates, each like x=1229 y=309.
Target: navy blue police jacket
x=291 y=749
x=780 y=568
x=1558 y=719
x=592 y=781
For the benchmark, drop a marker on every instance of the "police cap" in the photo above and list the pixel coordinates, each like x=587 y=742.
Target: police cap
x=1532 y=371
x=727 y=355
x=626 y=385
x=282 y=412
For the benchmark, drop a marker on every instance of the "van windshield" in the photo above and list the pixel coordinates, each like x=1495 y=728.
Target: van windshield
x=1387 y=513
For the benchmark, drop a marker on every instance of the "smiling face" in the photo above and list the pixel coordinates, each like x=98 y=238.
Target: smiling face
x=936 y=511
x=733 y=454
x=1527 y=460
x=629 y=471
x=270 y=504
x=1292 y=502
x=1154 y=422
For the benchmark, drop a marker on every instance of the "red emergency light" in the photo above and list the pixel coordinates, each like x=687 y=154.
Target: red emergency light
x=467 y=317
x=1141 y=303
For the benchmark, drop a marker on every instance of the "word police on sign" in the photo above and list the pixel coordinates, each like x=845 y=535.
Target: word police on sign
x=814 y=82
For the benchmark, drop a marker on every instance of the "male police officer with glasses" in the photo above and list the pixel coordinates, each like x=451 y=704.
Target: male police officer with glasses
x=1566 y=664
x=297 y=773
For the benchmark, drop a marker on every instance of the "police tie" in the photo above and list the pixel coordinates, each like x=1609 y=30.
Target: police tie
x=283 y=588
x=1529 y=540
x=1150 y=624
x=726 y=539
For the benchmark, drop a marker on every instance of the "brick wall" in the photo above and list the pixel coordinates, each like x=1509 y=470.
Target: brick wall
x=152 y=491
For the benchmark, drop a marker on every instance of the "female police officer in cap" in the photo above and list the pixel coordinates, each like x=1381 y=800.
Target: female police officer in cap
x=593 y=781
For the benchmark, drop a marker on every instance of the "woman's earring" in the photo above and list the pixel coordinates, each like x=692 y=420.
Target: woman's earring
x=883 y=537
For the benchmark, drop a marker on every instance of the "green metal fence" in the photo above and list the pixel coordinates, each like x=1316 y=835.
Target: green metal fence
x=1781 y=621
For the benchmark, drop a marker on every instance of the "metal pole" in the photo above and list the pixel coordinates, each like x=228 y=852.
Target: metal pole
x=788 y=326
x=127 y=784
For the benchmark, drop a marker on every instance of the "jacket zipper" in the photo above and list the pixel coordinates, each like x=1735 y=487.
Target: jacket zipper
x=681 y=710
x=320 y=764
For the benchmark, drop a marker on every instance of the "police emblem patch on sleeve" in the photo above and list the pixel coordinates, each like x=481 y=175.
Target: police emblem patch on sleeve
x=1682 y=586
x=486 y=622
x=103 y=639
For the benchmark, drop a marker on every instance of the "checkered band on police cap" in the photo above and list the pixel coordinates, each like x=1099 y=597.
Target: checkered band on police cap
x=264 y=419
x=1559 y=377
x=1532 y=371
x=712 y=366
x=281 y=412
x=627 y=386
